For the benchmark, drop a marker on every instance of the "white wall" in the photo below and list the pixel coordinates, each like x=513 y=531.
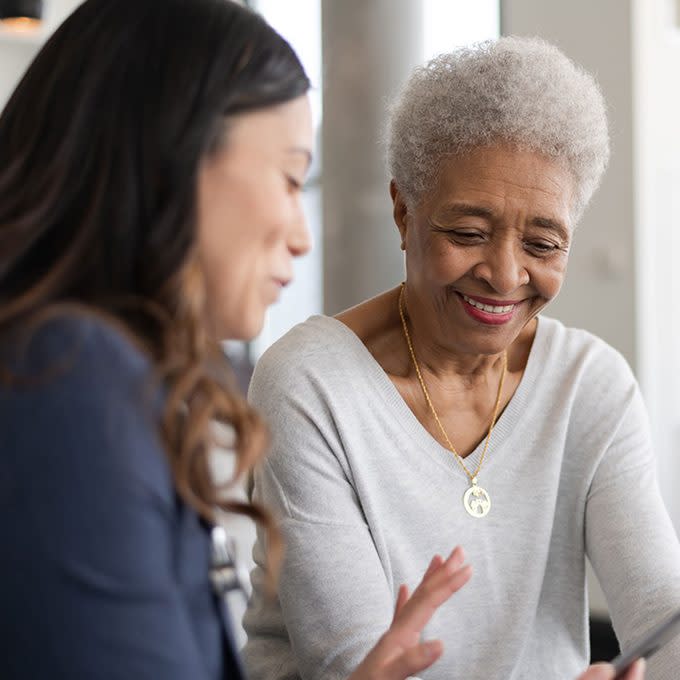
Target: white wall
x=15 y=55
x=656 y=69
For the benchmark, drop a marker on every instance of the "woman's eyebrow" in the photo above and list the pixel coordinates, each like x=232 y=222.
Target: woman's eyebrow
x=458 y=209
x=552 y=224
x=464 y=210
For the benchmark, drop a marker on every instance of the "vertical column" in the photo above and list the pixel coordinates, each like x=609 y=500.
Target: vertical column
x=368 y=50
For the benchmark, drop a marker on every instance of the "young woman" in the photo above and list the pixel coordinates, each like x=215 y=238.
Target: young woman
x=149 y=206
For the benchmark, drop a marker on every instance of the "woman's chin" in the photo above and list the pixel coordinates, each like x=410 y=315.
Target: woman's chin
x=243 y=328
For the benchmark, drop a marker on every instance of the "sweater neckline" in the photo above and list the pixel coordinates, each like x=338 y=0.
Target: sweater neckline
x=423 y=440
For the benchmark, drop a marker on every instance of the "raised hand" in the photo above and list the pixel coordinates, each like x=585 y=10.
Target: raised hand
x=400 y=653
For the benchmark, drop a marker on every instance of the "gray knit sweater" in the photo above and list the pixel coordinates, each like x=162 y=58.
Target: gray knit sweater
x=366 y=496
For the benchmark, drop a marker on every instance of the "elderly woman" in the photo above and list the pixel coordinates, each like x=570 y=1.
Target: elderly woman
x=448 y=411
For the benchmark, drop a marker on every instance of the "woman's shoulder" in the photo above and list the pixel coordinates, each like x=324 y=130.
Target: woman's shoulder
x=308 y=348
x=81 y=396
x=578 y=352
x=68 y=345
x=322 y=343
x=73 y=360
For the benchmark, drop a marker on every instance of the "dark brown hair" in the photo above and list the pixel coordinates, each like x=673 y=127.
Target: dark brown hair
x=101 y=145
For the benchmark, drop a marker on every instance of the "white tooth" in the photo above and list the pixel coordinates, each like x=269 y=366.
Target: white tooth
x=492 y=309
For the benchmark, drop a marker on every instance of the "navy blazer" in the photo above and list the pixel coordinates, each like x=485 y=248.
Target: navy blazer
x=104 y=572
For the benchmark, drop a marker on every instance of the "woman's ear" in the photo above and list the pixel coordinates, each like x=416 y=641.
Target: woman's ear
x=400 y=212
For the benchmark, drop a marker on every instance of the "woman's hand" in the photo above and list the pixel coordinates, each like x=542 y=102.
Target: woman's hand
x=604 y=671
x=399 y=652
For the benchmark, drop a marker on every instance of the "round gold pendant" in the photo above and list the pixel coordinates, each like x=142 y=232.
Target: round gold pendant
x=477 y=501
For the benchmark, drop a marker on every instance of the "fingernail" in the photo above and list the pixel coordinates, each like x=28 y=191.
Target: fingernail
x=458 y=553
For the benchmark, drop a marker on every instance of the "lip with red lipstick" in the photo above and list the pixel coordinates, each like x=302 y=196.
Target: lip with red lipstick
x=487 y=310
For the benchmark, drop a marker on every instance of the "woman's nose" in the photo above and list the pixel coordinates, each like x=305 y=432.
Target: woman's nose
x=299 y=237
x=503 y=267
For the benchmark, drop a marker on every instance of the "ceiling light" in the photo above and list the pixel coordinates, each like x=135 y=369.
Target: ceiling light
x=21 y=16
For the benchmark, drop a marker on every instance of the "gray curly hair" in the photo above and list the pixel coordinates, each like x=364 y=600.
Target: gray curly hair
x=518 y=91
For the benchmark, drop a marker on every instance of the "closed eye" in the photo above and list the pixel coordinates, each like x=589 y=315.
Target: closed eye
x=464 y=236
x=294 y=184
x=542 y=247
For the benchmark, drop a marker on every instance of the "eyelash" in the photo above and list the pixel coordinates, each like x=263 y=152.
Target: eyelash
x=467 y=235
x=540 y=248
x=296 y=186
x=543 y=247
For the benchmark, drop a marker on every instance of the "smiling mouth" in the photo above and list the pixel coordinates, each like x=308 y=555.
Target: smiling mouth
x=489 y=309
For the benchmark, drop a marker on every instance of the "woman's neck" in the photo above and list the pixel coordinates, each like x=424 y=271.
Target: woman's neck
x=378 y=325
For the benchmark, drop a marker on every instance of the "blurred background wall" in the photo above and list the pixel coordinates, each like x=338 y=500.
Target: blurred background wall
x=623 y=283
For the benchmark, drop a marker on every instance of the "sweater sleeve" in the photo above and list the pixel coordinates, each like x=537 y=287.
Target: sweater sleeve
x=334 y=598
x=87 y=523
x=630 y=539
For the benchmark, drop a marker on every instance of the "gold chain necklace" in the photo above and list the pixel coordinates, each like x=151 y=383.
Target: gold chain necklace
x=476 y=500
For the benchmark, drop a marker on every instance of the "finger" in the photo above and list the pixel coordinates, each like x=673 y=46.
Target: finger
x=435 y=563
x=599 y=671
x=605 y=671
x=403 y=594
x=435 y=585
x=636 y=671
x=428 y=597
x=454 y=560
x=402 y=599
x=435 y=593
x=412 y=661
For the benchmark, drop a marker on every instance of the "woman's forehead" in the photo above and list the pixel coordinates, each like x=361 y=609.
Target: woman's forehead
x=482 y=181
